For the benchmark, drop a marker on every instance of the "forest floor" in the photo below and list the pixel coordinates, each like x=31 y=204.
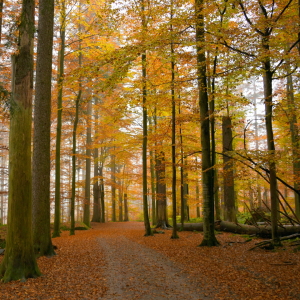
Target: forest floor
x=115 y=261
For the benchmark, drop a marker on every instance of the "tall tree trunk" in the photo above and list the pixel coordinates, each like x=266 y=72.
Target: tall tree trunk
x=267 y=79
x=41 y=139
x=207 y=176
x=295 y=139
x=256 y=142
x=19 y=260
x=174 y=177
x=74 y=152
x=229 y=203
x=87 y=196
x=148 y=230
x=56 y=230
x=152 y=172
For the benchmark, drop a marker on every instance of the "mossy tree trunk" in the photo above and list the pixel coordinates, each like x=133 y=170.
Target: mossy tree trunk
x=42 y=127
x=57 y=215
x=207 y=173
x=19 y=261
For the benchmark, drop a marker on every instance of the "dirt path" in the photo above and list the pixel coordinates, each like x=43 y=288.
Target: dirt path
x=134 y=271
x=115 y=261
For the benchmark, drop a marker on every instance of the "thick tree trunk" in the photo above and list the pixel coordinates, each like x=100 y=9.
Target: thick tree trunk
x=229 y=199
x=41 y=141
x=87 y=196
x=207 y=173
x=56 y=230
x=19 y=260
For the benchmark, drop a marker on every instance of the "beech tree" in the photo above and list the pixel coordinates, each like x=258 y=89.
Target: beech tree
x=19 y=260
x=207 y=175
x=41 y=140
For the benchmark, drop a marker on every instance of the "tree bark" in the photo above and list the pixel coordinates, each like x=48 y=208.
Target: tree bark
x=229 y=199
x=264 y=231
x=113 y=188
x=19 y=261
x=87 y=196
x=148 y=230
x=126 y=216
x=161 y=192
x=42 y=127
x=57 y=215
x=207 y=175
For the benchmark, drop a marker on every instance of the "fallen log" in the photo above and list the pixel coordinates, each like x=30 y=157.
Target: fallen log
x=261 y=230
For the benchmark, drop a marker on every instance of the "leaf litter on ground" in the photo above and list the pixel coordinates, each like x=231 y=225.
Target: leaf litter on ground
x=230 y=271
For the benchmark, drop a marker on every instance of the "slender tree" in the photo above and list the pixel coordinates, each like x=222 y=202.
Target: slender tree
x=61 y=56
x=86 y=208
x=148 y=230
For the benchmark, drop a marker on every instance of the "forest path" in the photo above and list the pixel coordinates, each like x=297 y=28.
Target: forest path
x=134 y=271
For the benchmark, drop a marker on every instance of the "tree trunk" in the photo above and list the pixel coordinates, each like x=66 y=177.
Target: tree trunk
x=96 y=189
x=161 y=192
x=56 y=230
x=267 y=79
x=19 y=260
x=229 y=203
x=1 y=9
x=120 y=201
x=173 y=148
x=126 y=217
x=264 y=231
x=113 y=188
x=87 y=196
x=295 y=139
x=74 y=152
x=148 y=230
x=41 y=139
x=102 y=195
x=207 y=173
